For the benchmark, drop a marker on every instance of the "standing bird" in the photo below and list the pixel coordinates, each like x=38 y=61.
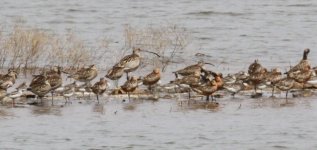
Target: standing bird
x=17 y=94
x=234 y=88
x=130 y=85
x=189 y=70
x=274 y=77
x=115 y=74
x=152 y=78
x=100 y=87
x=285 y=84
x=257 y=74
x=189 y=81
x=40 y=86
x=207 y=90
x=85 y=74
x=68 y=91
x=303 y=65
x=54 y=77
x=10 y=76
x=132 y=62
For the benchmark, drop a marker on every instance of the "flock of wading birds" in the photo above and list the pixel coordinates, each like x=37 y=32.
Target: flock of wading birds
x=194 y=78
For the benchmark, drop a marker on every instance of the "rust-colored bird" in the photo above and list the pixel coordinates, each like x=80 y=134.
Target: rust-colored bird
x=152 y=78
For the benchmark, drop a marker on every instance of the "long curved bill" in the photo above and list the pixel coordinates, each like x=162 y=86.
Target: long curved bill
x=152 y=53
x=209 y=64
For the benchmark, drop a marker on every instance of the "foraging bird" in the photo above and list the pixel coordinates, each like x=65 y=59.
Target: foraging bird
x=132 y=62
x=273 y=77
x=152 y=78
x=130 y=85
x=100 y=87
x=189 y=70
x=85 y=74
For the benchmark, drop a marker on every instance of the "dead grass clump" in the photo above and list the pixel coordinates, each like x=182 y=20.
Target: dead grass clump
x=69 y=51
x=24 y=47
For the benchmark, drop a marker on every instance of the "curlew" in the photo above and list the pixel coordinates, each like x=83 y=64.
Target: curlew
x=132 y=62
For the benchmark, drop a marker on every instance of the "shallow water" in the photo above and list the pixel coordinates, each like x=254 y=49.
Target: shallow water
x=233 y=33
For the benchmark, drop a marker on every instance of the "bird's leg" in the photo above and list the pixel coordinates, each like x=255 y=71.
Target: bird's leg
x=97 y=98
x=207 y=98
x=189 y=93
x=127 y=75
x=286 y=96
x=273 y=91
x=52 y=92
x=129 y=96
x=13 y=102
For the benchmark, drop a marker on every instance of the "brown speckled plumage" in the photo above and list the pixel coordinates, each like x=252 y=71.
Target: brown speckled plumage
x=152 y=78
x=85 y=74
